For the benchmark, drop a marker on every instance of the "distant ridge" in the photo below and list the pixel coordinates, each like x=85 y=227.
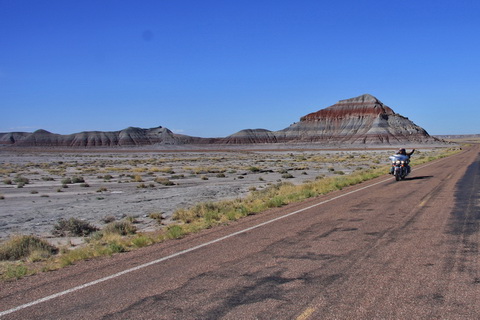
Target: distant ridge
x=360 y=120
x=124 y=138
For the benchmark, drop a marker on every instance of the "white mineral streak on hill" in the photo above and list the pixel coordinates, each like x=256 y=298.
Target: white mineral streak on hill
x=360 y=120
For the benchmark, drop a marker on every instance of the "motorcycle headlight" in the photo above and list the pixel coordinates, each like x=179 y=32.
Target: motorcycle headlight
x=403 y=162
x=398 y=162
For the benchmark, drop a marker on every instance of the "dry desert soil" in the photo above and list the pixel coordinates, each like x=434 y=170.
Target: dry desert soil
x=37 y=188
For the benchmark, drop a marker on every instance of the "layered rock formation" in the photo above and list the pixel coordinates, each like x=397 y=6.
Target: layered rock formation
x=360 y=120
x=124 y=138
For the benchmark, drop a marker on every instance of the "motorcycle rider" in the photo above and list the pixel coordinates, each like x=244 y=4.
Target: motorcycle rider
x=403 y=152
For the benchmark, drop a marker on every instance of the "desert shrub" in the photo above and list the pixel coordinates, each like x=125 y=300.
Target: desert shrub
x=158 y=216
x=137 y=178
x=115 y=247
x=78 y=254
x=174 y=232
x=132 y=219
x=142 y=241
x=66 y=181
x=287 y=176
x=276 y=201
x=164 y=170
x=122 y=228
x=73 y=227
x=108 y=219
x=220 y=175
x=2 y=197
x=102 y=189
x=14 y=271
x=254 y=169
x=7 y=181
x=184 y=215
x=20 y=247
x=164 y=181
x=21 y=180
x=78 y=180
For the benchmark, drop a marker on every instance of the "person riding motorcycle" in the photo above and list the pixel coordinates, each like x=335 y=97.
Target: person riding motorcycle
x=403 y=152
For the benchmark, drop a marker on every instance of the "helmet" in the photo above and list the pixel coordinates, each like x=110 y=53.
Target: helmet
x=402 y=151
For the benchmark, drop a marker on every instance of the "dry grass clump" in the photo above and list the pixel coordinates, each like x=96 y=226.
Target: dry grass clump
x=108 y=219
x=204 y=170
x=116 y=237
x=164 y=181
x=14 y=270
x=75 y=179
x=23 y=247
x=73 y=227
x=123 y=228
x=163 y=170
x=158 y=216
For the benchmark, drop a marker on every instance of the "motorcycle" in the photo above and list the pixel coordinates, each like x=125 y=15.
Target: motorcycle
x=400 y=167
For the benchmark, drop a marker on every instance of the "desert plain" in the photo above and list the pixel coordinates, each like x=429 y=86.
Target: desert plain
x=39 y=187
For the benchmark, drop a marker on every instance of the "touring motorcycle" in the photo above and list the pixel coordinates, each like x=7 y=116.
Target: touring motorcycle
x=400 y=167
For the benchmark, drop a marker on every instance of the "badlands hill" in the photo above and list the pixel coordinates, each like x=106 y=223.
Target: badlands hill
x=360 y=120
x=128 y=137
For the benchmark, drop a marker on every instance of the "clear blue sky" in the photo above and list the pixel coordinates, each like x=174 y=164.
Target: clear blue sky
x=211 y=68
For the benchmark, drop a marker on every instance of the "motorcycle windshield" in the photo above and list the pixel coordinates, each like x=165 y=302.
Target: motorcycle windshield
x=399 y=157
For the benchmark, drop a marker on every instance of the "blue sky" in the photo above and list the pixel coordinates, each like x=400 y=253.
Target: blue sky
x=212 y=68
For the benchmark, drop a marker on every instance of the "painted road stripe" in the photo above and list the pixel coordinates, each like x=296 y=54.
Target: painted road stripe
x=116 y=275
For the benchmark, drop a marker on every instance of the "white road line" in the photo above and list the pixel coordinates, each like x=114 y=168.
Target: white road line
x=116 y=275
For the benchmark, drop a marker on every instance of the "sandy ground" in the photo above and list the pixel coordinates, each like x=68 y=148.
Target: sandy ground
x=120 y=184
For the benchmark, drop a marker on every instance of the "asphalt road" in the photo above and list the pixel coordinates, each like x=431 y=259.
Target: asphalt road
x=379 y=250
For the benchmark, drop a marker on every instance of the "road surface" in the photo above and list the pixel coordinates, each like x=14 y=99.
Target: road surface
x=378 y=250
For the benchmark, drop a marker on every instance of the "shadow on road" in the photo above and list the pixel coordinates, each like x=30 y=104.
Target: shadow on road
x=419 y=178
